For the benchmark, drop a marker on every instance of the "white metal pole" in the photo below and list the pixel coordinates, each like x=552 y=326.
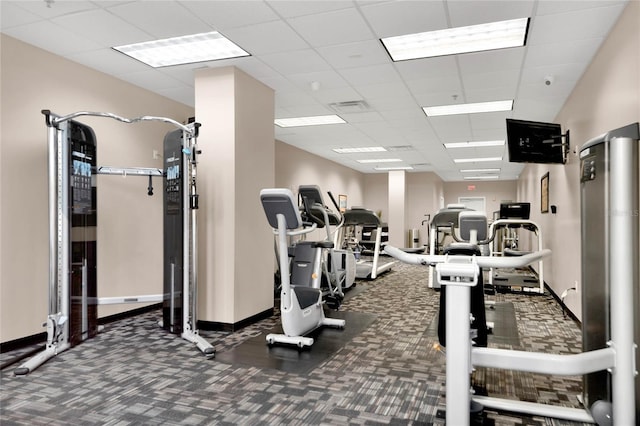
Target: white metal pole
x=458 y=383
x=622 y=214
x=285 y=293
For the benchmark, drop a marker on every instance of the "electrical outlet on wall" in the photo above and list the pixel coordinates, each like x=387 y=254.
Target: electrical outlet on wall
x=155 y=154
x=576 y=285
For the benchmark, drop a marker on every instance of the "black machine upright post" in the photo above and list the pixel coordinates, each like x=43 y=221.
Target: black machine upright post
x=81 y=142
x=174 y=217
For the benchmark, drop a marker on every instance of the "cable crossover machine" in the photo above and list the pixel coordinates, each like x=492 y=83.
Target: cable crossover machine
x=73 y=301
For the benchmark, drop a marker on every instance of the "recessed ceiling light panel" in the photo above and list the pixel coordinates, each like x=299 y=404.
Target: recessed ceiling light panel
x=317 y=120
x=379 y=160
x=481 y=177
x=473 y=108
x=393 y=168
x=476 y=160
x=451 y=41
x=480 y=171
x=183 y=50
x=473 y=144
x=359 y=150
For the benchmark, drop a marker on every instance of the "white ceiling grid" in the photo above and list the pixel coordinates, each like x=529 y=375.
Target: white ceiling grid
x=337 y=44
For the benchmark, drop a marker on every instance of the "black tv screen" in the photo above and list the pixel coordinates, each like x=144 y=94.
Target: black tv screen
x=535 y=142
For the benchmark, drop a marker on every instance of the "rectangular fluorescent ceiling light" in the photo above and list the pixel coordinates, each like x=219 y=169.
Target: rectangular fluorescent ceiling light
x=473 y=144
x=452 y=41
x=479 y=170
x=394 y=168
x=476 y=160
x=379 y=160
x=473 y=108
x=188 y=49
x=481 y=177
x=317 y=120
x=359 y=150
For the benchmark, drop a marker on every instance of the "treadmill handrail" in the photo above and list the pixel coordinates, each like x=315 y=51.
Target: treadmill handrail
x=482 y=261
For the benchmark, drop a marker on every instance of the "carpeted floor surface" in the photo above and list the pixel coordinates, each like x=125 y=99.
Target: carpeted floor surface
x=385 y=372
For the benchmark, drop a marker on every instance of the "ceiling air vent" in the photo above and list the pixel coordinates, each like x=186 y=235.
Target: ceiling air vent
x=350 y=107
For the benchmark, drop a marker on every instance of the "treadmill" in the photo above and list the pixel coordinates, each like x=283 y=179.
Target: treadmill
x=368 y=269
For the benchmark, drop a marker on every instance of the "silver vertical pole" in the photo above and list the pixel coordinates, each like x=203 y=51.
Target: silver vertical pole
x=64 y=232
x=85 y=300
x=172 y=295
x=623 y=196
x=53 y=219
x=186 y=232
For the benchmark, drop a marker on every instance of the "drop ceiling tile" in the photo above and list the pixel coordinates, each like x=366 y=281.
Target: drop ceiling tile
x=560 y=73
x=463 y=13
x=222 y=15
x=252 y=38
x=152 y=80
x=179 y=94
x=490 y=120
x=579 y=25
x=294 y=8
x=384 y=90
x=554 y=7
x=12 y=15
x=362 y=117
x=161 y=19
x=488 y=94
x=51 y=37
x=102 y=27
x=506 y=80
x=492 y=60
x=108 y=61
x=536 y=110
x=428 y=67
x=57 y=8
x=391 y=103
x=296 y=62
x=344 y=94
x=336 y=27
x=326 y=79
x=355 y=55
x=452 y=128
x=256 y=68
x=376 y=74
x=405 y=17
x=578 y=51
x=426 y=86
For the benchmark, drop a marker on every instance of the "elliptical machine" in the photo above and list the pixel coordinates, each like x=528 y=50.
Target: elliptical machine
x=301 y=306
x=338 y=267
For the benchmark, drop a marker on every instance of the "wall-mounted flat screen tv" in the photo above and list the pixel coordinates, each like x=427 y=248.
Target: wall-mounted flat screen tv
x=536 y=142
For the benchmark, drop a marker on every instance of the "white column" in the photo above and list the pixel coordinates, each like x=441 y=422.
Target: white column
x=396 y=221
x=238 y=159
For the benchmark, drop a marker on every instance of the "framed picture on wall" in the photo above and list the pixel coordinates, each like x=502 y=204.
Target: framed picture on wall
x=544 y=193
x=342 y=203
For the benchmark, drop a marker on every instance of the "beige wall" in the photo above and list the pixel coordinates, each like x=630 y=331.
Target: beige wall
x=129 y=221
x=295 y=167
x=493 y=193
x=606 y=97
